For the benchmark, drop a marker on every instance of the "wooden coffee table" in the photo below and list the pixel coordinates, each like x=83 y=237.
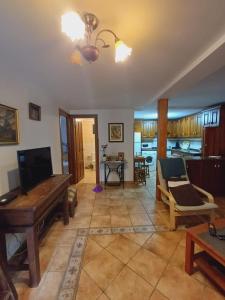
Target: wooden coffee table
x=212 y=259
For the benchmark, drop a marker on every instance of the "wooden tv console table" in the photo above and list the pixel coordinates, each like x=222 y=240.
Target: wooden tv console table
x=27 y=213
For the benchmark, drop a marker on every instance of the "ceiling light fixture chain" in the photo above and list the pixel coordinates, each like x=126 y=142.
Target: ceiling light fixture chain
x=78 y=28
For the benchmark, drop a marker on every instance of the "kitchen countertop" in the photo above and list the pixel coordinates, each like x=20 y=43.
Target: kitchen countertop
x=152 y=149
x=187 y=152
x=204 y=158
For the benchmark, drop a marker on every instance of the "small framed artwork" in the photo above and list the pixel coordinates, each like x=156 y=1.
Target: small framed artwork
x=9 y=133
x=34 y=112
x=116 y=132
x=120 y=155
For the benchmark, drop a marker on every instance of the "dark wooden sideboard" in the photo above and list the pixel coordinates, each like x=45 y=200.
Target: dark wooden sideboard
x=27 y=214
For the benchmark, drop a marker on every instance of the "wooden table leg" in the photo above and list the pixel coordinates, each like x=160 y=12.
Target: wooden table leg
x=33 y=256
x=3 y=247
x=189 y=254
x=65 y=208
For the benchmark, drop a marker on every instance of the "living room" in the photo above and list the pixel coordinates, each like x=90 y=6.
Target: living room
x=178 y=50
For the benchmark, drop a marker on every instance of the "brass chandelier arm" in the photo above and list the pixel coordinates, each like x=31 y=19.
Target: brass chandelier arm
x=101 y=40
x=107 y=30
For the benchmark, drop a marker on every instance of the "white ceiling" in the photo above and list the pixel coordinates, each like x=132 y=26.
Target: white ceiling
x=168 y=37
x=183 y=102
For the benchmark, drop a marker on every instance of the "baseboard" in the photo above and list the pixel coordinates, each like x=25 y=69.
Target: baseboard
x=116 y=183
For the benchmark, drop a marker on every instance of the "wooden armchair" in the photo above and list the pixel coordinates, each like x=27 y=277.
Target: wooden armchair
x=177 y=210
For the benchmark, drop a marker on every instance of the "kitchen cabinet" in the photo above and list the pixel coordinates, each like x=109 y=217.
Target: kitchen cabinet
x=195 y=126
x=181 y=127
x=137 y=125
x=172 y=128
x=208 y=174
x=149 y=128
x=211 y=117
x=187 y=127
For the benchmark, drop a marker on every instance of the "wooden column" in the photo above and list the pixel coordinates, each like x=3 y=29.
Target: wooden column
x=162 y=134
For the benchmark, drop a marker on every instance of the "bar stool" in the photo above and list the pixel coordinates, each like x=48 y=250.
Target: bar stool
x=148 y=161
x=139 y=170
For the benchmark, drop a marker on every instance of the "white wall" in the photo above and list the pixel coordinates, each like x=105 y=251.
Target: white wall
x=17 y=94
x=33 y=134
x=106 y=116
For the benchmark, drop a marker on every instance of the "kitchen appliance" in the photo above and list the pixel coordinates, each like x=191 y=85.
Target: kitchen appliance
x=137 y=143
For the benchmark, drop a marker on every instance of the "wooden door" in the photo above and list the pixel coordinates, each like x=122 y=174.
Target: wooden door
x=211 y=142
x=78 y=147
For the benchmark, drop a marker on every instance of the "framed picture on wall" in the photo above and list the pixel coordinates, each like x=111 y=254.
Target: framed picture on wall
x=34 y=112
x=8 y=125
x=116 y=132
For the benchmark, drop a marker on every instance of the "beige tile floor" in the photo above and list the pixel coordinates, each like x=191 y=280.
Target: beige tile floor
x=130 y=266
x=89 y=176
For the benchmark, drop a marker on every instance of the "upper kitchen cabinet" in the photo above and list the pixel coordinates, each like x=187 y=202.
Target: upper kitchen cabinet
x=195 y=125
x=172 y=128
x=184 y=126
x=137 y=125
x=208 y=124
x=211 y=117
x=187 y=127
x=149 y=128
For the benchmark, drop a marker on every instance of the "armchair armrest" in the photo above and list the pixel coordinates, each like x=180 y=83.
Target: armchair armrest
x=167 y=194
x=208 y=195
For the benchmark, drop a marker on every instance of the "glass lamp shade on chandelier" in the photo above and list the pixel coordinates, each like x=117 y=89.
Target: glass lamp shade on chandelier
x=80 y=30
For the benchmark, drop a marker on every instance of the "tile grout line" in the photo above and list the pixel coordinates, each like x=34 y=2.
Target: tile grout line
x=166 y=269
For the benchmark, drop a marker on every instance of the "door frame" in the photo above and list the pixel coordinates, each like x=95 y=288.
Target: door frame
x=95 y=117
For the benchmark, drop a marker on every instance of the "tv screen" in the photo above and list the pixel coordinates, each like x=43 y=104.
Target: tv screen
x=35 y=165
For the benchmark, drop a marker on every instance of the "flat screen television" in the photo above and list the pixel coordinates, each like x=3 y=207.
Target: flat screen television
x=35 y=165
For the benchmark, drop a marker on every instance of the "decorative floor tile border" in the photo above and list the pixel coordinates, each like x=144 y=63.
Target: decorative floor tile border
x=116 y=230
x=71 y=278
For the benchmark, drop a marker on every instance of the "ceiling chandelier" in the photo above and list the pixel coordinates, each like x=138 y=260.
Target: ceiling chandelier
x=80 y=30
